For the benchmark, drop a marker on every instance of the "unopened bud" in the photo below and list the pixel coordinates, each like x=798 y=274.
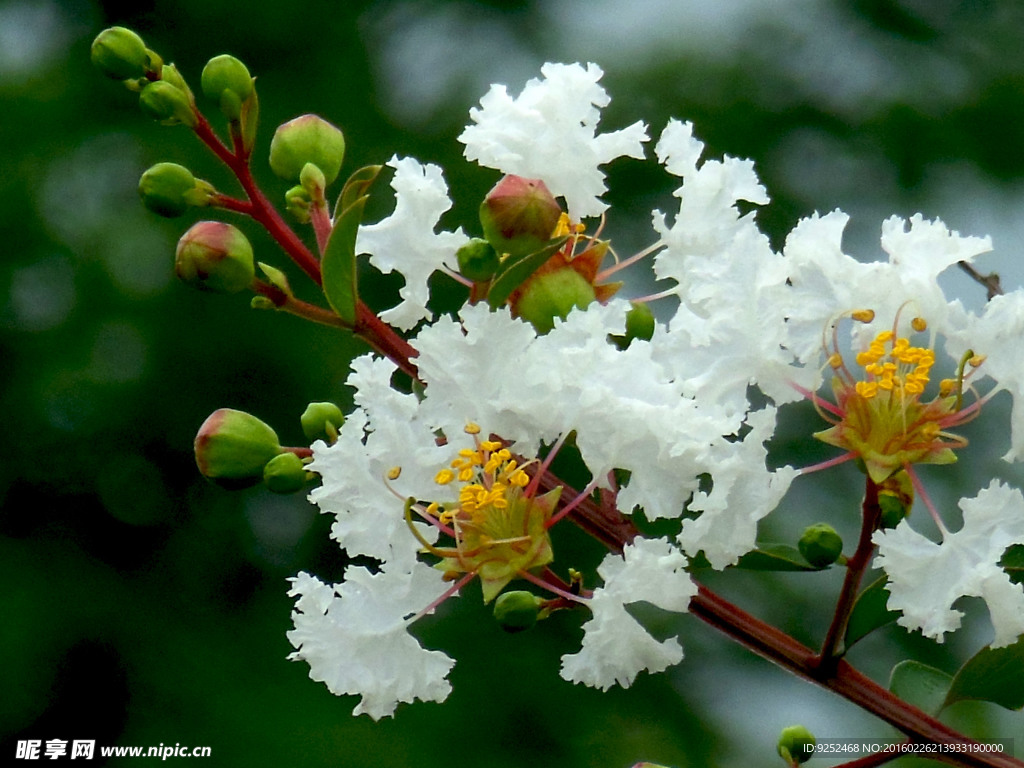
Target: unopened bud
x=820 y=545
x=297 y=203
x=215 y=256
x=285 y=473
x=169 y=189
x=895 y=498
x=516 y=611
x=307 y=139
x=796 y=744
x=120 y=53
x=519 y=215
x=167 y=103
x=321 y=421
x=478 y=261
x=232 y=448
x=226 y=81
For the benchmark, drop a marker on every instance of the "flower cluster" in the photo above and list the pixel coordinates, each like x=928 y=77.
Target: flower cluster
x=666 y=424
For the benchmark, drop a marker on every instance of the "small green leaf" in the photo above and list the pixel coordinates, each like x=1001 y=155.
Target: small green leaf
x=774 y=557
x=356 y=187
x=1013 y=563
x=338 y=266
x=514 y=271
x=992 y=674
x=250 y=119
x=918 y=684
x=277 y=278
x=869 y=612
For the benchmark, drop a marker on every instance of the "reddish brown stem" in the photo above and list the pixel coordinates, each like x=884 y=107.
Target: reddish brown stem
x=871 y=512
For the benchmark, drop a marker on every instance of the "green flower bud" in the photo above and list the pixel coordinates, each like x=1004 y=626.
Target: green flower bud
x=120 y=53
x=226 y=81
x=216 y=257
x=895 y=498
x=285 y=473
x=519 y=215
x=552 y=295
x=297 y=203
x=516 y=611
x=640 y=321
x=820 y=545
x=321 y=421
x=478 y=261
x=232 y=447
x=167 y=103
x=796 y=744
x=169 y=189
x=307 y=139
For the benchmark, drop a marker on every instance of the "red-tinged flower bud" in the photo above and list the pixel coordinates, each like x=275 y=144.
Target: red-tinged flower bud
x=519 y=215
x=285 y=473
x=216 y=257
x=226 y=81
x=307 y=139
x=121 y=54
x=232 y=448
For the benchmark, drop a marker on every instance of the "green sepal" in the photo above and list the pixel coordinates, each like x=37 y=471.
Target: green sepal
x=1013 y=563
x=277 y=278
x=338 y=266
x=357 y=186
x=920 y=685
x=516 y=270
x=869 y=612
x=992 y=674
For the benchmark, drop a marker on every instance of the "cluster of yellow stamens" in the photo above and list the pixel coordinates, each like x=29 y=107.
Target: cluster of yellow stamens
x=902 y=368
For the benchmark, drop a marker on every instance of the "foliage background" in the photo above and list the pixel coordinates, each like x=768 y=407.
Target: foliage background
x=144 y=606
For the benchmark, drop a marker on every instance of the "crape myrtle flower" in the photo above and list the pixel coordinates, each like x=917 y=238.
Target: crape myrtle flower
x=549 y=132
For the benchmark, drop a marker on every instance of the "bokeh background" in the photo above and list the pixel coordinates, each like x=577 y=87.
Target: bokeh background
x=143 y=606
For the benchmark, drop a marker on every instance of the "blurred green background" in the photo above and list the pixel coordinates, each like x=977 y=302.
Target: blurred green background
x=143 y=606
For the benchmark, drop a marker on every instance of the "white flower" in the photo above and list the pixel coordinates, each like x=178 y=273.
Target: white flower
x=826 y=282
x=998 y=334
x=743 y=492
x=926 y=578
x=406 y=242
x=615 y=646
x=384 y=432
x=550 y=132
x=354 y=636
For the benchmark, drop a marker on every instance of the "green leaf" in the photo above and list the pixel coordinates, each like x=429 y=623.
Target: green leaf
x=775 y=557
x=356 y=187
x=869 y=612
x=992 y=674
x=1013 y=563
x=918 y=684
x=514 y=271
x=277 y=278
x=338 y=266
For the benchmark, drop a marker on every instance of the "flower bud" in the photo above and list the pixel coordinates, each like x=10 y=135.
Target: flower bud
x=321 y=421
x=820 y=545
x=519 y=215
x=120 y=53
x=307 y=139
x=478 y=261
x=215 y=256
x=895 y=498
x=552 y=295
x=226 y=81
x=285 y=473
x=796 y=744
x=232 y=448
x=297 y=202
x=167 y=103
x=168 y=189
x=516 y=611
